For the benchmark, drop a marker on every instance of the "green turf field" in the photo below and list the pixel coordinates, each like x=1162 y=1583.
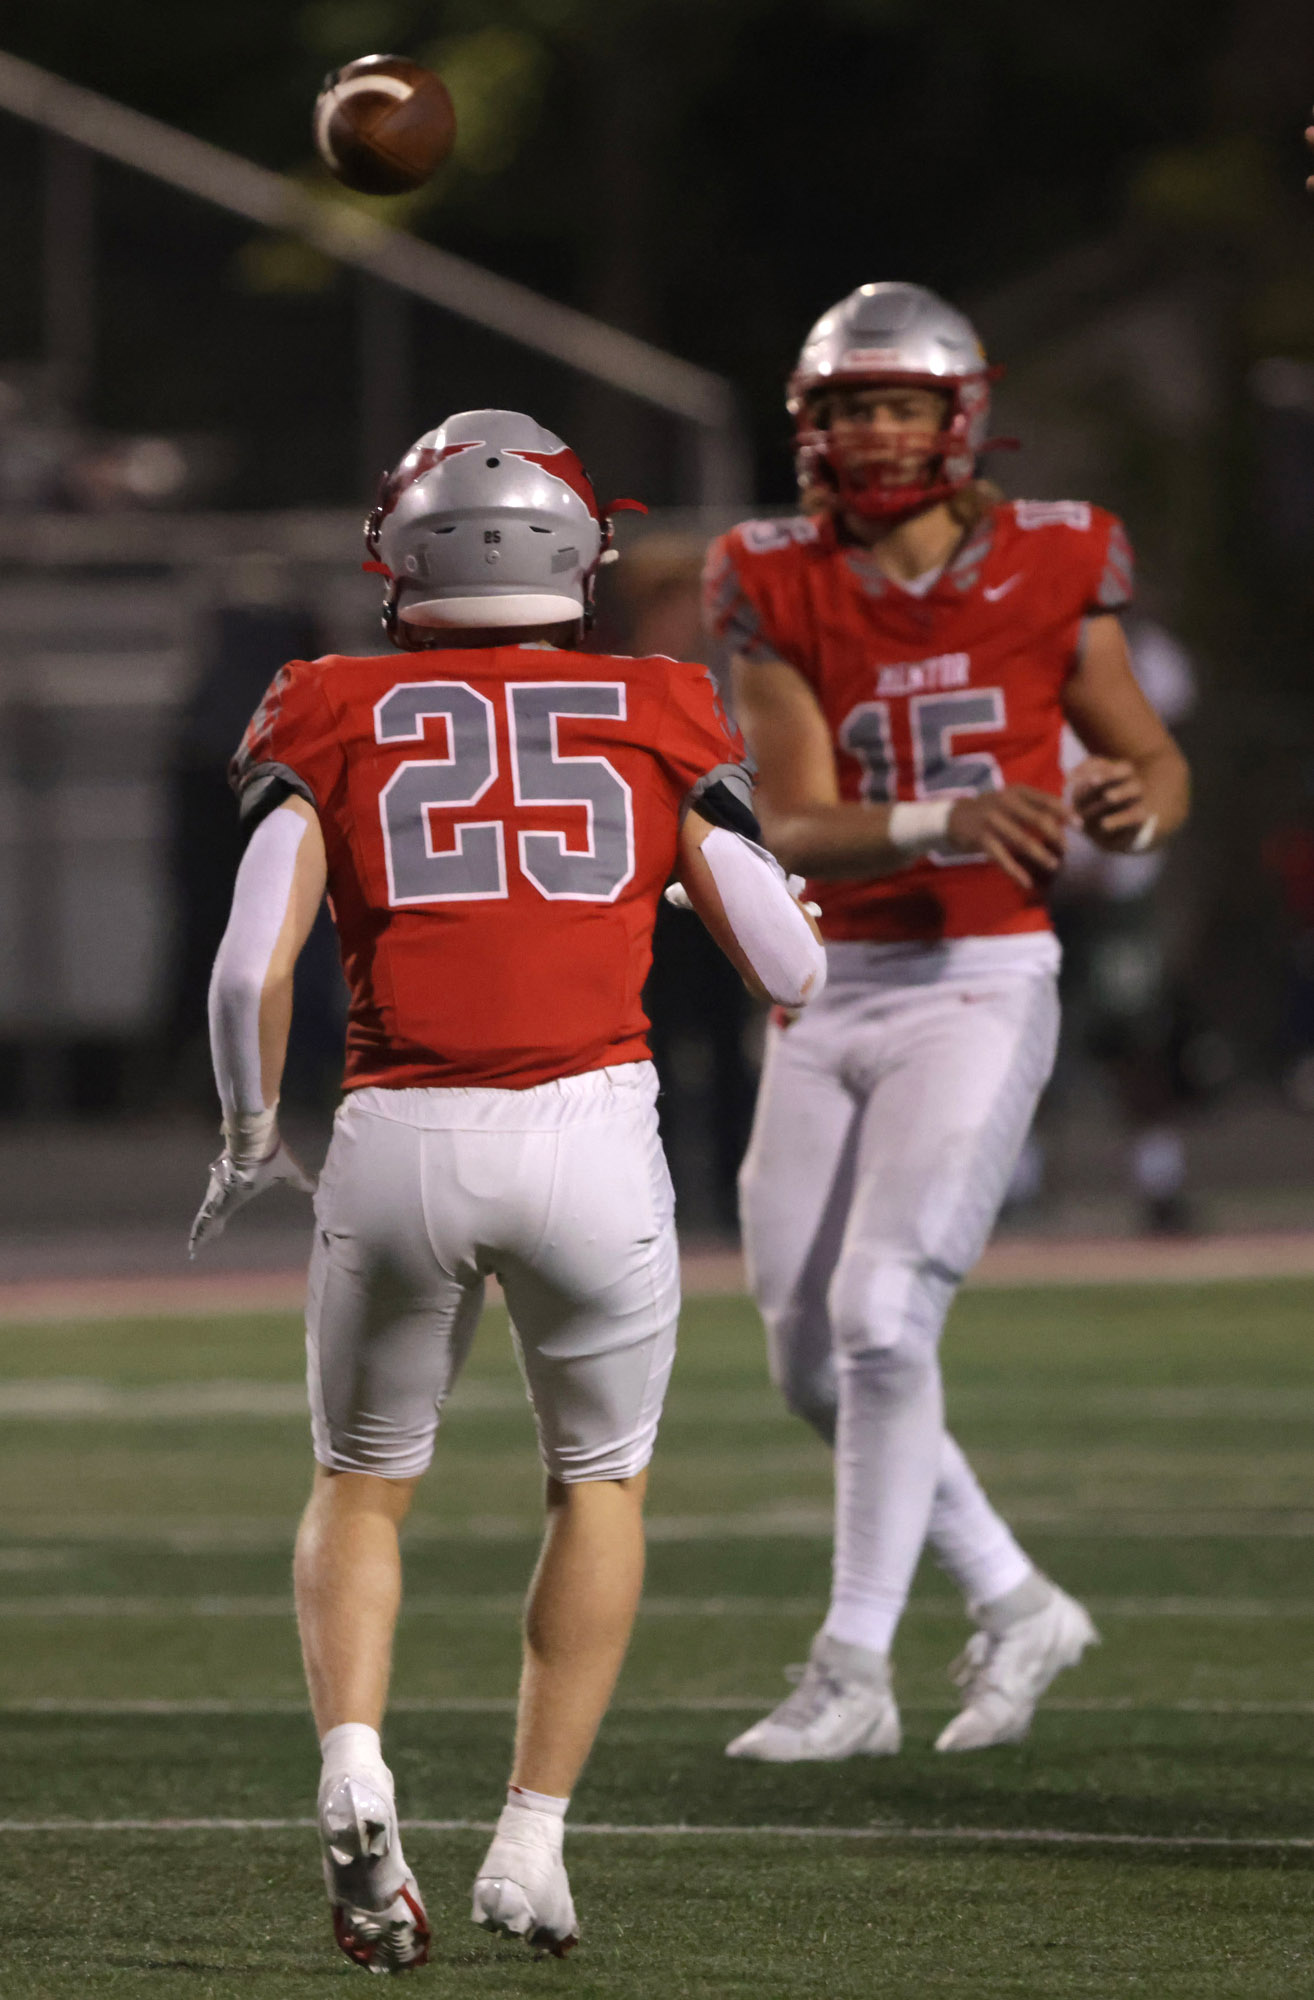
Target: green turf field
x=1154 y=1445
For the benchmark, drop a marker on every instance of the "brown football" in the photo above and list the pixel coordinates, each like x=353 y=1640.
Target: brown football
x=383 y=124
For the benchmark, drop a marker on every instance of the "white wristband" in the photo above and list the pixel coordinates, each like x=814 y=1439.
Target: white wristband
x=921 y=828
x=251 y=1136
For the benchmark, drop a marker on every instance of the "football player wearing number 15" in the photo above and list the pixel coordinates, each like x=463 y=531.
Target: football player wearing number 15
x=906 y=655
x=495 y=815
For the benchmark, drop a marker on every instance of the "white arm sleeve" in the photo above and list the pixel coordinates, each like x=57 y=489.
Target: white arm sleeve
x=261 y=896
x=770 y=929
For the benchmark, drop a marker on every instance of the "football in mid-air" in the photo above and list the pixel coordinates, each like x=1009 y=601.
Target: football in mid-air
x=383 y=124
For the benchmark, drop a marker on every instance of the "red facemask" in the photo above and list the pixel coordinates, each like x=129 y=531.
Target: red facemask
x=864 y=478
x=874 y=482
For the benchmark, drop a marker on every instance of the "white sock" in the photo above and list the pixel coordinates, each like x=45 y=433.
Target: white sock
x=971 y=1542
x=1034 y=1593
x=353 y=1750
x=354 y=1746
x=887 y=1455
x=855 y=1623
x=543 y=1802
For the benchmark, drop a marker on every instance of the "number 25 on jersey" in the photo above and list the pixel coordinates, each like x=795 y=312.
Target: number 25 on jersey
x=475 y=864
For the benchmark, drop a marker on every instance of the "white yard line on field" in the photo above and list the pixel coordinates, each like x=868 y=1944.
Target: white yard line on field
x=975 y=1835
x=678 y=1704
x=89 y=1399
x=209 y=1534
x=508 y=1604
x=85 y=1399
x=223 y=1535
x=77 y=1399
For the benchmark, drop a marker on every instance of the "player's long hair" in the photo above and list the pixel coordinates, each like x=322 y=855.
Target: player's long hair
x=971 y=503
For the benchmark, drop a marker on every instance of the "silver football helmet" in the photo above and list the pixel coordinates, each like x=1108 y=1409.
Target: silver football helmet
x=892 y=333
x=488 y=521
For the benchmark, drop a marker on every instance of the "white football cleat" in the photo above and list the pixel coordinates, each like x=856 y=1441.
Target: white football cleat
x=843 y=1706
x=522 y=1889
x=378 y=1918
x=1005 y=1672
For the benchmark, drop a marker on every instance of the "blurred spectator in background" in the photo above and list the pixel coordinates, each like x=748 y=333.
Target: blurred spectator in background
x=51 y=461
x=702 y=1018
x=1124 y=1004
x=1288 y=856
x=36 y=442
x=245 y=641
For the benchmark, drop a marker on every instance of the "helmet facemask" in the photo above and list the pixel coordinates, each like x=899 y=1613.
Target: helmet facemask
x=889 y=337
x=882 y=470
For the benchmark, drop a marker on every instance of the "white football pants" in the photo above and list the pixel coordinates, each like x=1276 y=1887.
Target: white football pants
x=562 y=1192
x=890 y=1117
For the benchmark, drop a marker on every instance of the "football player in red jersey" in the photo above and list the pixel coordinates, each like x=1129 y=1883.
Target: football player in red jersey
x=494 y=815
x=906 y=654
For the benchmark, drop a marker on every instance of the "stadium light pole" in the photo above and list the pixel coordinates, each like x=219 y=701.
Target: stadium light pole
x=68 y=272
x=386 y=363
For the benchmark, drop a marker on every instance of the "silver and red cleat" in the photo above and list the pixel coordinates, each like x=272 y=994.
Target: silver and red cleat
x=379 y=1918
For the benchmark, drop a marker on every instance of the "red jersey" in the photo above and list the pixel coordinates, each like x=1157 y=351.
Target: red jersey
x=499 y=825
x=940 y=695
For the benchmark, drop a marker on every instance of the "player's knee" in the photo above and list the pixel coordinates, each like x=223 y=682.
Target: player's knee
x=798 y=1350
x=365 y=1492
x=614 y=1459
x=365 y=1444
x=807 y=1383
x=889 y=1309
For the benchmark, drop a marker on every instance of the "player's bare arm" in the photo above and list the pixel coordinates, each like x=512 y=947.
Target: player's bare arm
x=742 y=897
x=1134 y=790
x=279 y=889
x=813 y=831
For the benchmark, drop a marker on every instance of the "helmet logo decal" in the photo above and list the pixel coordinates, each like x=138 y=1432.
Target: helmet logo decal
x=564 y=466
x=420 y=460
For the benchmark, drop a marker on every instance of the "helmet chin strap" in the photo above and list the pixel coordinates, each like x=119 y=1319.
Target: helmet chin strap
x=894 y=501
x=891 y=501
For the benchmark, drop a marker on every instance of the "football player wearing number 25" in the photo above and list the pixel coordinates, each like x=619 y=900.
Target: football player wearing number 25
x=906 y=654
x=495 y=815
